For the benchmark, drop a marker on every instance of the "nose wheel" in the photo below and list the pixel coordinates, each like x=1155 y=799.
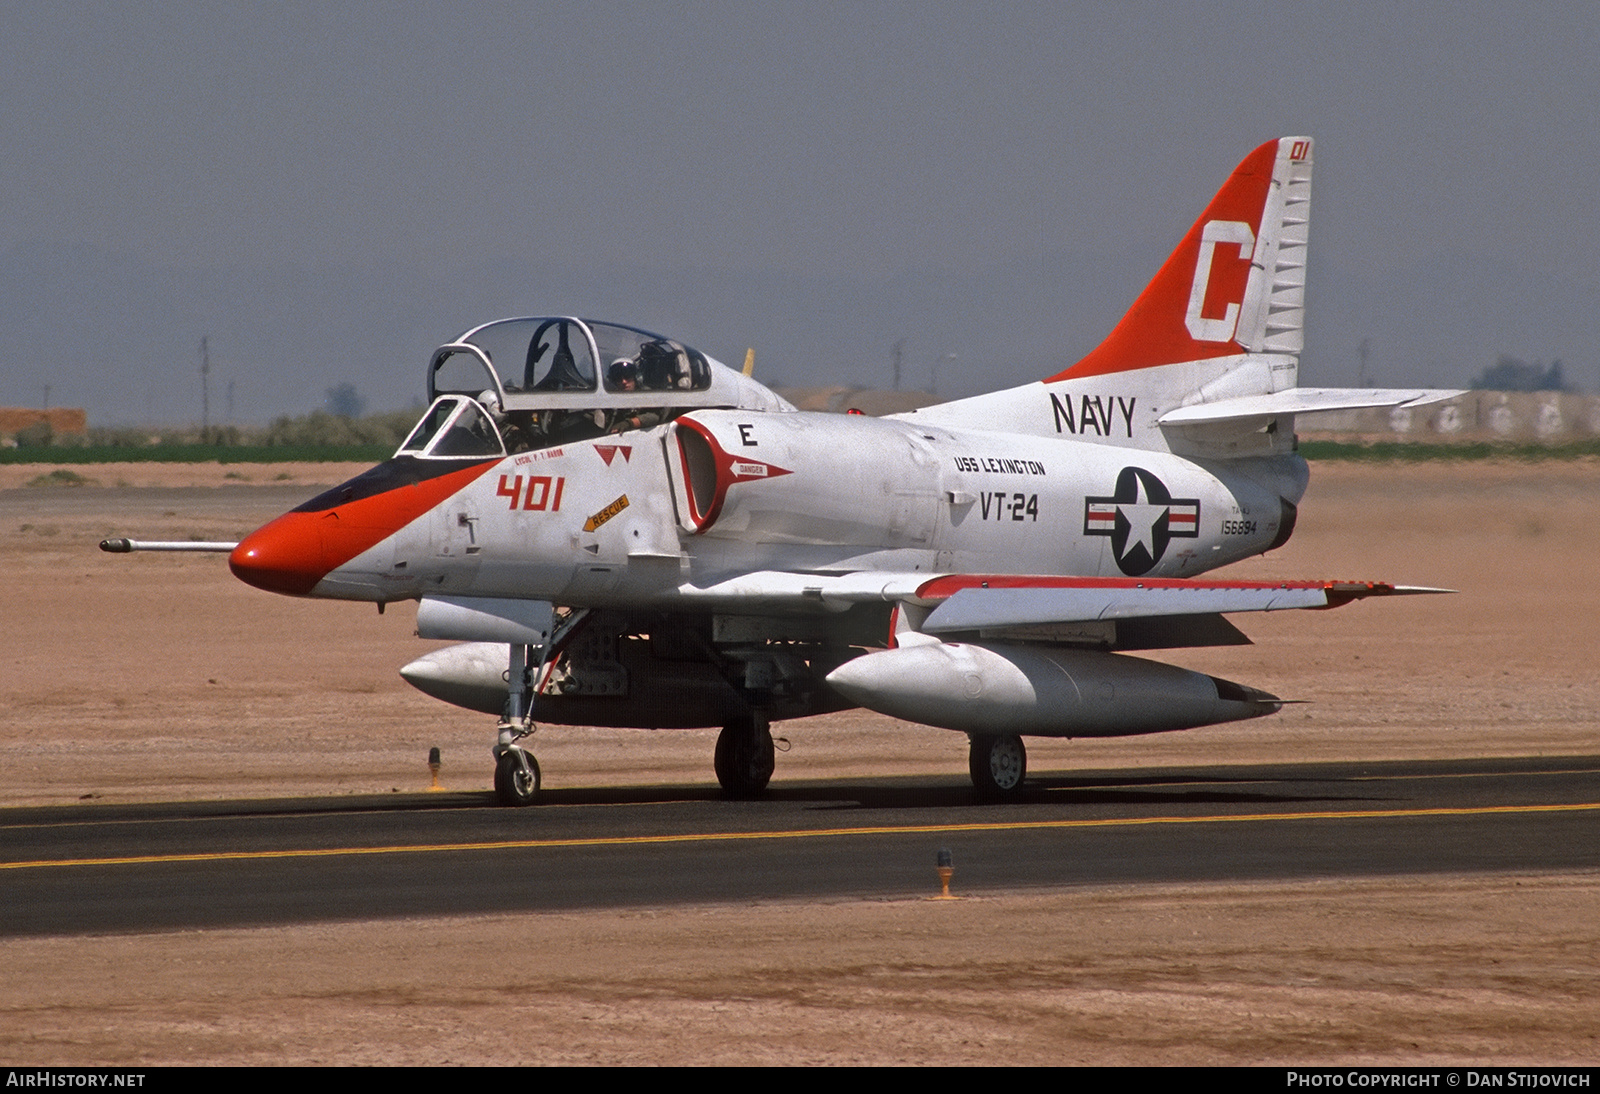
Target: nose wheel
x=516 y=777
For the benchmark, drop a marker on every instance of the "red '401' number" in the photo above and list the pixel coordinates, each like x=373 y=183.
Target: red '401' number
x=543 y=493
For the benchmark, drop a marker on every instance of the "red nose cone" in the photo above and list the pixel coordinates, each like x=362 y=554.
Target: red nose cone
x=285 y=556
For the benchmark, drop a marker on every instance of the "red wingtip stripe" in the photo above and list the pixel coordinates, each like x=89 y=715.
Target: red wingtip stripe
x=941 y=588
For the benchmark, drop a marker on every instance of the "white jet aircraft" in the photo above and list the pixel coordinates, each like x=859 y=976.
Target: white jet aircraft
x=646 y=538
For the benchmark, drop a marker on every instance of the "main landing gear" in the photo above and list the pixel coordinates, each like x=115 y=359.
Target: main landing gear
x=745 y=756
x=997 y=764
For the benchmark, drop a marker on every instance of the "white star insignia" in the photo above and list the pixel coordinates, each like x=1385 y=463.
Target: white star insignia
x=1141 y=516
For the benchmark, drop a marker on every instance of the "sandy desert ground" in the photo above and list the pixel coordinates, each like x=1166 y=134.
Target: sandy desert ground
x=159 y=677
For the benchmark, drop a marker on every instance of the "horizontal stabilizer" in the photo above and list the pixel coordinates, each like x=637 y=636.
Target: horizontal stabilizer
x=1303 y=400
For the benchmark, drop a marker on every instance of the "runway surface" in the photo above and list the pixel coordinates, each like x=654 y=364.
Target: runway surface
x=98 y=868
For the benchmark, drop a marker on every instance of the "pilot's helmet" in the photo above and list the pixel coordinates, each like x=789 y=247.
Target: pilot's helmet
x=622 y=371
x=489 y=400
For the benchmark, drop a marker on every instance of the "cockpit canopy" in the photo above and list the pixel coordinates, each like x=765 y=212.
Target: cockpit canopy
x=536 y=383
x=454 y=426
x=560 y=363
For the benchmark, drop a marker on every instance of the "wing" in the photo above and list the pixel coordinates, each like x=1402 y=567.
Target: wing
x=1120 y=612
x=1126 y=613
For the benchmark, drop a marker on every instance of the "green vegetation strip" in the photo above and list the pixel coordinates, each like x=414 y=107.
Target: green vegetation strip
x=312 y=451
x=1402 y=452
x=317 y=437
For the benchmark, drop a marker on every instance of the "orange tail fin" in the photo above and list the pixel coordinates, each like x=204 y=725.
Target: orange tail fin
x=1236 y=284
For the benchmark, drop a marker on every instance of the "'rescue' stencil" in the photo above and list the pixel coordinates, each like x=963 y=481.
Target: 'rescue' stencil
x=594 y=522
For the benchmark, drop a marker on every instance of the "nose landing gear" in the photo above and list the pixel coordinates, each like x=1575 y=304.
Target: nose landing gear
x=516 y=772
x=516 y=777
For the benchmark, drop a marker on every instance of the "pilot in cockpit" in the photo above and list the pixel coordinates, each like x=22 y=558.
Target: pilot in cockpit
x=514 y=436
x=623 y=375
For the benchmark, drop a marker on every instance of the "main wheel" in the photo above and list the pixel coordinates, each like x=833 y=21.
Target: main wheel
x=512 y=785
x=998 y=765
x=745 y=757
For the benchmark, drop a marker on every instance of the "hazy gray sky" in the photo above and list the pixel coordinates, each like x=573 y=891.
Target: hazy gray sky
x=330 y=190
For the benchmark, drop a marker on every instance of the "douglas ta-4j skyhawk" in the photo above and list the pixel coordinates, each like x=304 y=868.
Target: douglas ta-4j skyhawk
x=623 y=532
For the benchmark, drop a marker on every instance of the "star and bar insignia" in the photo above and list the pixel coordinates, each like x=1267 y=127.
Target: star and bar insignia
x=1141 y=518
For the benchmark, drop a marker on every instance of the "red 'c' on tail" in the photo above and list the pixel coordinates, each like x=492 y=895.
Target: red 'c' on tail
x=1188 y=311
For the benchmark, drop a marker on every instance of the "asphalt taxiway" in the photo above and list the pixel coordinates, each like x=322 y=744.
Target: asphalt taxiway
x=107 y=868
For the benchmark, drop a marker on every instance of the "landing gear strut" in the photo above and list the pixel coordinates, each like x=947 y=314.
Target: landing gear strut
x=997 y=764
x=745 y=757
x=516 y=772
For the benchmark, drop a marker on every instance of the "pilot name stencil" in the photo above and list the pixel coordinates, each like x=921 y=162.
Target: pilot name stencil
x=1098 y=414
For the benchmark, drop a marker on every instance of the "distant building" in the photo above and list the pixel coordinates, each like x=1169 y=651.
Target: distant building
x=1525 y=417
x=61 y=421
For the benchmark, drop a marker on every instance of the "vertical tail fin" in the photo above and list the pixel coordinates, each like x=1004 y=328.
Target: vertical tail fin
x=1206 y=362
x=1235 y=285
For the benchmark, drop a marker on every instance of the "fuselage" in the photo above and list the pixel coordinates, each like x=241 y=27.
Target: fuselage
x=666 y=516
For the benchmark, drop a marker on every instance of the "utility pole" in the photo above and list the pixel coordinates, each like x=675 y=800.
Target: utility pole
x=933 y=372
x=205 y=389
x=1361 y=378
x=899 y=353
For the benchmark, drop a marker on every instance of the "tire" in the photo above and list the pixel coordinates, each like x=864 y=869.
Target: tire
x=997 y=765
x=745 y=757
x=511 y=786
